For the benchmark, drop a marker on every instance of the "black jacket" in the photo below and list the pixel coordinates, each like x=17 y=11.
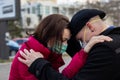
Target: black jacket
x=103 y=62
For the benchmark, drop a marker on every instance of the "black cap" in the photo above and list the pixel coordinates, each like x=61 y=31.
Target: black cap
x=79 y=20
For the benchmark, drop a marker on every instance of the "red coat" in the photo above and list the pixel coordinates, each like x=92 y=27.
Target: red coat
x=76 y=64
x=19 y=71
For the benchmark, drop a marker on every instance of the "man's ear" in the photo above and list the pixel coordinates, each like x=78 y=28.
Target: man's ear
x=90 y=26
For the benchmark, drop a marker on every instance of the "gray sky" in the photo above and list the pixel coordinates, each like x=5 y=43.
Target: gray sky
x=69 y=1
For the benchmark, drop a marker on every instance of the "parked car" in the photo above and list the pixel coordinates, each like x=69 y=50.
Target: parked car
x=15 y=44
x=13 y=47
x=20 y=41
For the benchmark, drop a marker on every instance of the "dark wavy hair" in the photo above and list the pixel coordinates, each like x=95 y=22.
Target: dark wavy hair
x=51 y=29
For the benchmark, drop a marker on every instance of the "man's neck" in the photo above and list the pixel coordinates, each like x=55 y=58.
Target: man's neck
x=107 y=30
x=105 y=27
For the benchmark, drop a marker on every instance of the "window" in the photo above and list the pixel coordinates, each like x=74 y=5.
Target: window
x=55 y=10
x=38 y=9
x=47 y=10
x=33 y=10
x=28 y=10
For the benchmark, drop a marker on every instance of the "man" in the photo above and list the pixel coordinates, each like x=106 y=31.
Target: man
x=103 y=59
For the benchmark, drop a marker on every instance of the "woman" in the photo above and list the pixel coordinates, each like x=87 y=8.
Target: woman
x=48 y=39
x=33 y=59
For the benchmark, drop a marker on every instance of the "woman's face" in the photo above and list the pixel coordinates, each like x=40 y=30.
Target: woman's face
x=66 y=35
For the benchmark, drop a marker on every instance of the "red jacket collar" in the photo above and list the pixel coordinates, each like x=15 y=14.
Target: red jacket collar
x=37 y=46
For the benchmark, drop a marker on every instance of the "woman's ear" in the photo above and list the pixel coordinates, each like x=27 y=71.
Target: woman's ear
x=90 y=26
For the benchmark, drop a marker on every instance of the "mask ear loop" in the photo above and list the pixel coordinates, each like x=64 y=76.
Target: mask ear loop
x=84 y=35
x=95 y=20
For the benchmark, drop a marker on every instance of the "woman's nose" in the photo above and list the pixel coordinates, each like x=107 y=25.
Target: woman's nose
x=65 y=42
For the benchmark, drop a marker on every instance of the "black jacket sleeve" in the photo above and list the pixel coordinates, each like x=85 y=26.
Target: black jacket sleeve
x=42 y=69
x=99 y=66
x=73 y=46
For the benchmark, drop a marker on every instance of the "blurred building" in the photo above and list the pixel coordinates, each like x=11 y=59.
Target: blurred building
x=33 y=11
x=54 y=1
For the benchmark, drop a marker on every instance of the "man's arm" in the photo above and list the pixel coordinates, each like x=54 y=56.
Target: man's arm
x=99 y=66
x=43 y=70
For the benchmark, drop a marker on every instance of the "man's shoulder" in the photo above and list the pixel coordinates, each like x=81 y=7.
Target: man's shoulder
x=116 y=40
x=114 y=33
x=115 y=30
x=109 y=46
x=112 y=45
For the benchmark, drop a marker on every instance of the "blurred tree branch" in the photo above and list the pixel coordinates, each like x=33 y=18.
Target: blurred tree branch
x=14 y=29
x=112 y=8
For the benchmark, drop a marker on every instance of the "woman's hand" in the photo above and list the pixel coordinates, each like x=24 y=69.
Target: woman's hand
x=29 y=57
x=94 y=40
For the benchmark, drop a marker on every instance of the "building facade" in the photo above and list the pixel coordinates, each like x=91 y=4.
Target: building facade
x=33 y=12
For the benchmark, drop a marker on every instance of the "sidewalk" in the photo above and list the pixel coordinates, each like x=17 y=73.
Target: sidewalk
x=4 y=70
x=5 y=67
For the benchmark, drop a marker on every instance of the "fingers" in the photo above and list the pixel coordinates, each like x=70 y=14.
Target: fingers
x=22 y=60
x=108 y=39
x=37 y=54
x=105 y=38
x=32 y=51
x=26 y=52
x=101 y=38
x=96 y=39
x=23 y=54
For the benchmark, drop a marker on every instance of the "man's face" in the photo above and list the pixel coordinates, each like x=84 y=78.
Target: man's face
x=90 y=29
x=84 y=35
x=79 y=35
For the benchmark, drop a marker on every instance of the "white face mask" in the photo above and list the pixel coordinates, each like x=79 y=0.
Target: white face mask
x=83 y=44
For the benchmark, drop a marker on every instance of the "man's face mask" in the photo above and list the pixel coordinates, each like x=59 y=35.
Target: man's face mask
x=83 y=44
x=60 y=49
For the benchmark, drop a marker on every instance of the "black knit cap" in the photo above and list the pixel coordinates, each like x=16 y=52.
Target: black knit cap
x=79 y=20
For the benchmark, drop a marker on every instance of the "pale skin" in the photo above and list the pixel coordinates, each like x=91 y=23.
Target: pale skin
x=31 y=56
x=93 y=27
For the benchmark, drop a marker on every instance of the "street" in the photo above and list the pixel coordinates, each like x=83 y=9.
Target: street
x=4 y=71
x=5 y=68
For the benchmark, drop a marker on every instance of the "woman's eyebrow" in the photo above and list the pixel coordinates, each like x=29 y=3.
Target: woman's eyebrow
x=65 y=39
